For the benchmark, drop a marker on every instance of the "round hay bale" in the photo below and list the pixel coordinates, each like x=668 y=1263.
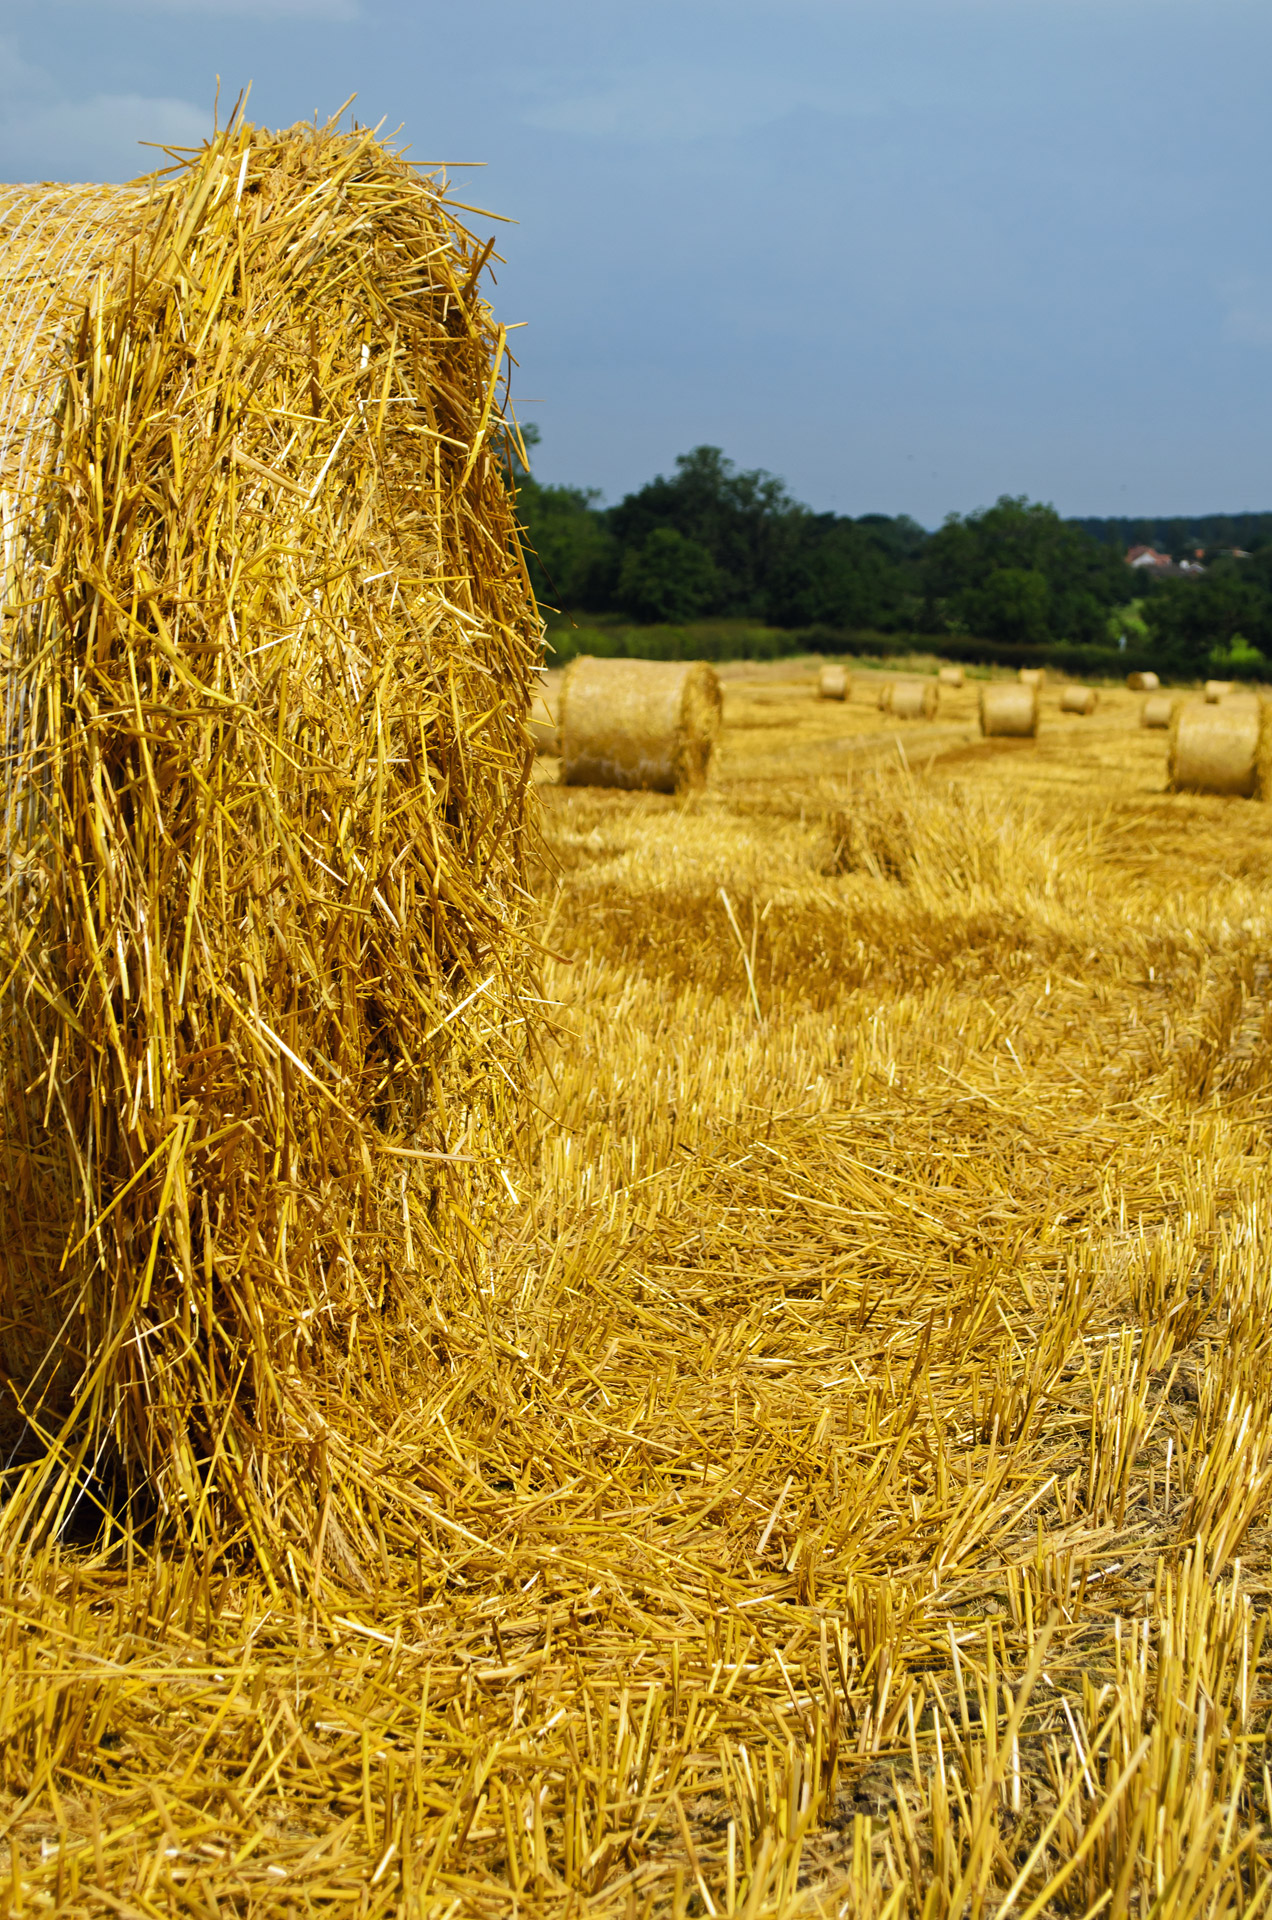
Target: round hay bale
x=638 y=723
x=1220 y=748
x=1079 y=700
x=1008 y=709
x=1216 y=690
x=1157 y=709
x=270 y=646
x=834 y=683
x=1143 y=682
x=909 y=699
x=1032 y=676
x=950 y=677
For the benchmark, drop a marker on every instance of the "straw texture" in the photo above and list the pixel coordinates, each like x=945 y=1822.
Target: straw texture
x=1079 y=700
x=1143 y=682
x=638 y=723
x=909 y=699
x=1157 y=709
x=1033 y=676
x=1222 y=748
x=1008 y=709
x=268 y=645
x=950 y=677
x=1216 y=690
x=834 y=683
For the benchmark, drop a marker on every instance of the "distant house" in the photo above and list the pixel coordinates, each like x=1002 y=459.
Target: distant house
x=1160 y=564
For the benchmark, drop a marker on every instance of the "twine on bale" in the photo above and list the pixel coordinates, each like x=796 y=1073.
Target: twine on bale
x=1079 y=700
x=950 y=676
x=1143 y=682
x=1157 y=709
x=1008 y=709
x=909 y=699
x=833 y=683
x=1216 y=690
x=1224 y=748
x=638 y=723
x=269 y=645
x=1032 y=676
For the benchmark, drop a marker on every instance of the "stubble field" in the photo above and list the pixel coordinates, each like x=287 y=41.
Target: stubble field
x=852 y=1476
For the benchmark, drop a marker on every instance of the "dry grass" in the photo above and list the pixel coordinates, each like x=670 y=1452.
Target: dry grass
x=848 y=1479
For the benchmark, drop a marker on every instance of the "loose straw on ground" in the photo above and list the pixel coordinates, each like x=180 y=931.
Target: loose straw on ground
x=1008 y=709
x=269 y=643
x=638 y=723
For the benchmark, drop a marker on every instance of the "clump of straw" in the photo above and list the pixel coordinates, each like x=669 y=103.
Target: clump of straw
x=268 y=641
x=638 y=723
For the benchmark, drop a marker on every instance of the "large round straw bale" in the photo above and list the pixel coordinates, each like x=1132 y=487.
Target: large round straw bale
x=638 y=723
x=909 y=699
x=1008 y=708
x=1157 y=709
x=1143 y=682
x=1079 y=700
x=1216 y=690
x=1220 y=748
x=950 y=676
x=833 y=683
x=269 y=646
x=1032 y=676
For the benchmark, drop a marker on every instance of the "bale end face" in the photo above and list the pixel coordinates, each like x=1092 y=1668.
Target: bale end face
x=638 y=724
x=1221 y=748
x=1079 y=700
x=833 y=683
x=1008 y=711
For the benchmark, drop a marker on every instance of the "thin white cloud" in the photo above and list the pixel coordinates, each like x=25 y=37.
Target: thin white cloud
x=44 y=135
x=661 y=104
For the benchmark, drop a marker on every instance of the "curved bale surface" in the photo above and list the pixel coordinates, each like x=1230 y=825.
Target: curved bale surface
x=909 y=699
x=1224 y=748
x=1158 y=709
x=1008 y=710
x=1032 y=676
x=1079 y=700
x=1143 y=682
x=1216 y=690
x=834 y=683
x=950 y=677
x=269 y=647
x=638 y=723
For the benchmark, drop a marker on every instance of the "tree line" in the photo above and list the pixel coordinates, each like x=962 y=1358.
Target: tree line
x=712 y=540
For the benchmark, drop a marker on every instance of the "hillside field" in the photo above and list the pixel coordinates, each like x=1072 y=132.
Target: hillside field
x=852 y=1477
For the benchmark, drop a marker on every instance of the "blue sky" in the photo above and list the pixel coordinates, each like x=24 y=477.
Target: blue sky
x=908 y=254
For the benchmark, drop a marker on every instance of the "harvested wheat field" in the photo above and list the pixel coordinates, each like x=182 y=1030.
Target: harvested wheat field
x=843 y=1458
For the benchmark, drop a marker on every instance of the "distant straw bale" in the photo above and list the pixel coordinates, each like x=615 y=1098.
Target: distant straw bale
x=1143 y=682
x=1008 y=709
x=1221 y=748
x=1157 y=709
x=1032 y=676
x=1079 y=700
x=834 y=683
x=269 y=646
x=909 y=699
x=1216 y=690
x=638 y=723
x=950 y=676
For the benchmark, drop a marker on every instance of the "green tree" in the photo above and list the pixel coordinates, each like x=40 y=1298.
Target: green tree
x=668 y=578
x=1014 y=603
